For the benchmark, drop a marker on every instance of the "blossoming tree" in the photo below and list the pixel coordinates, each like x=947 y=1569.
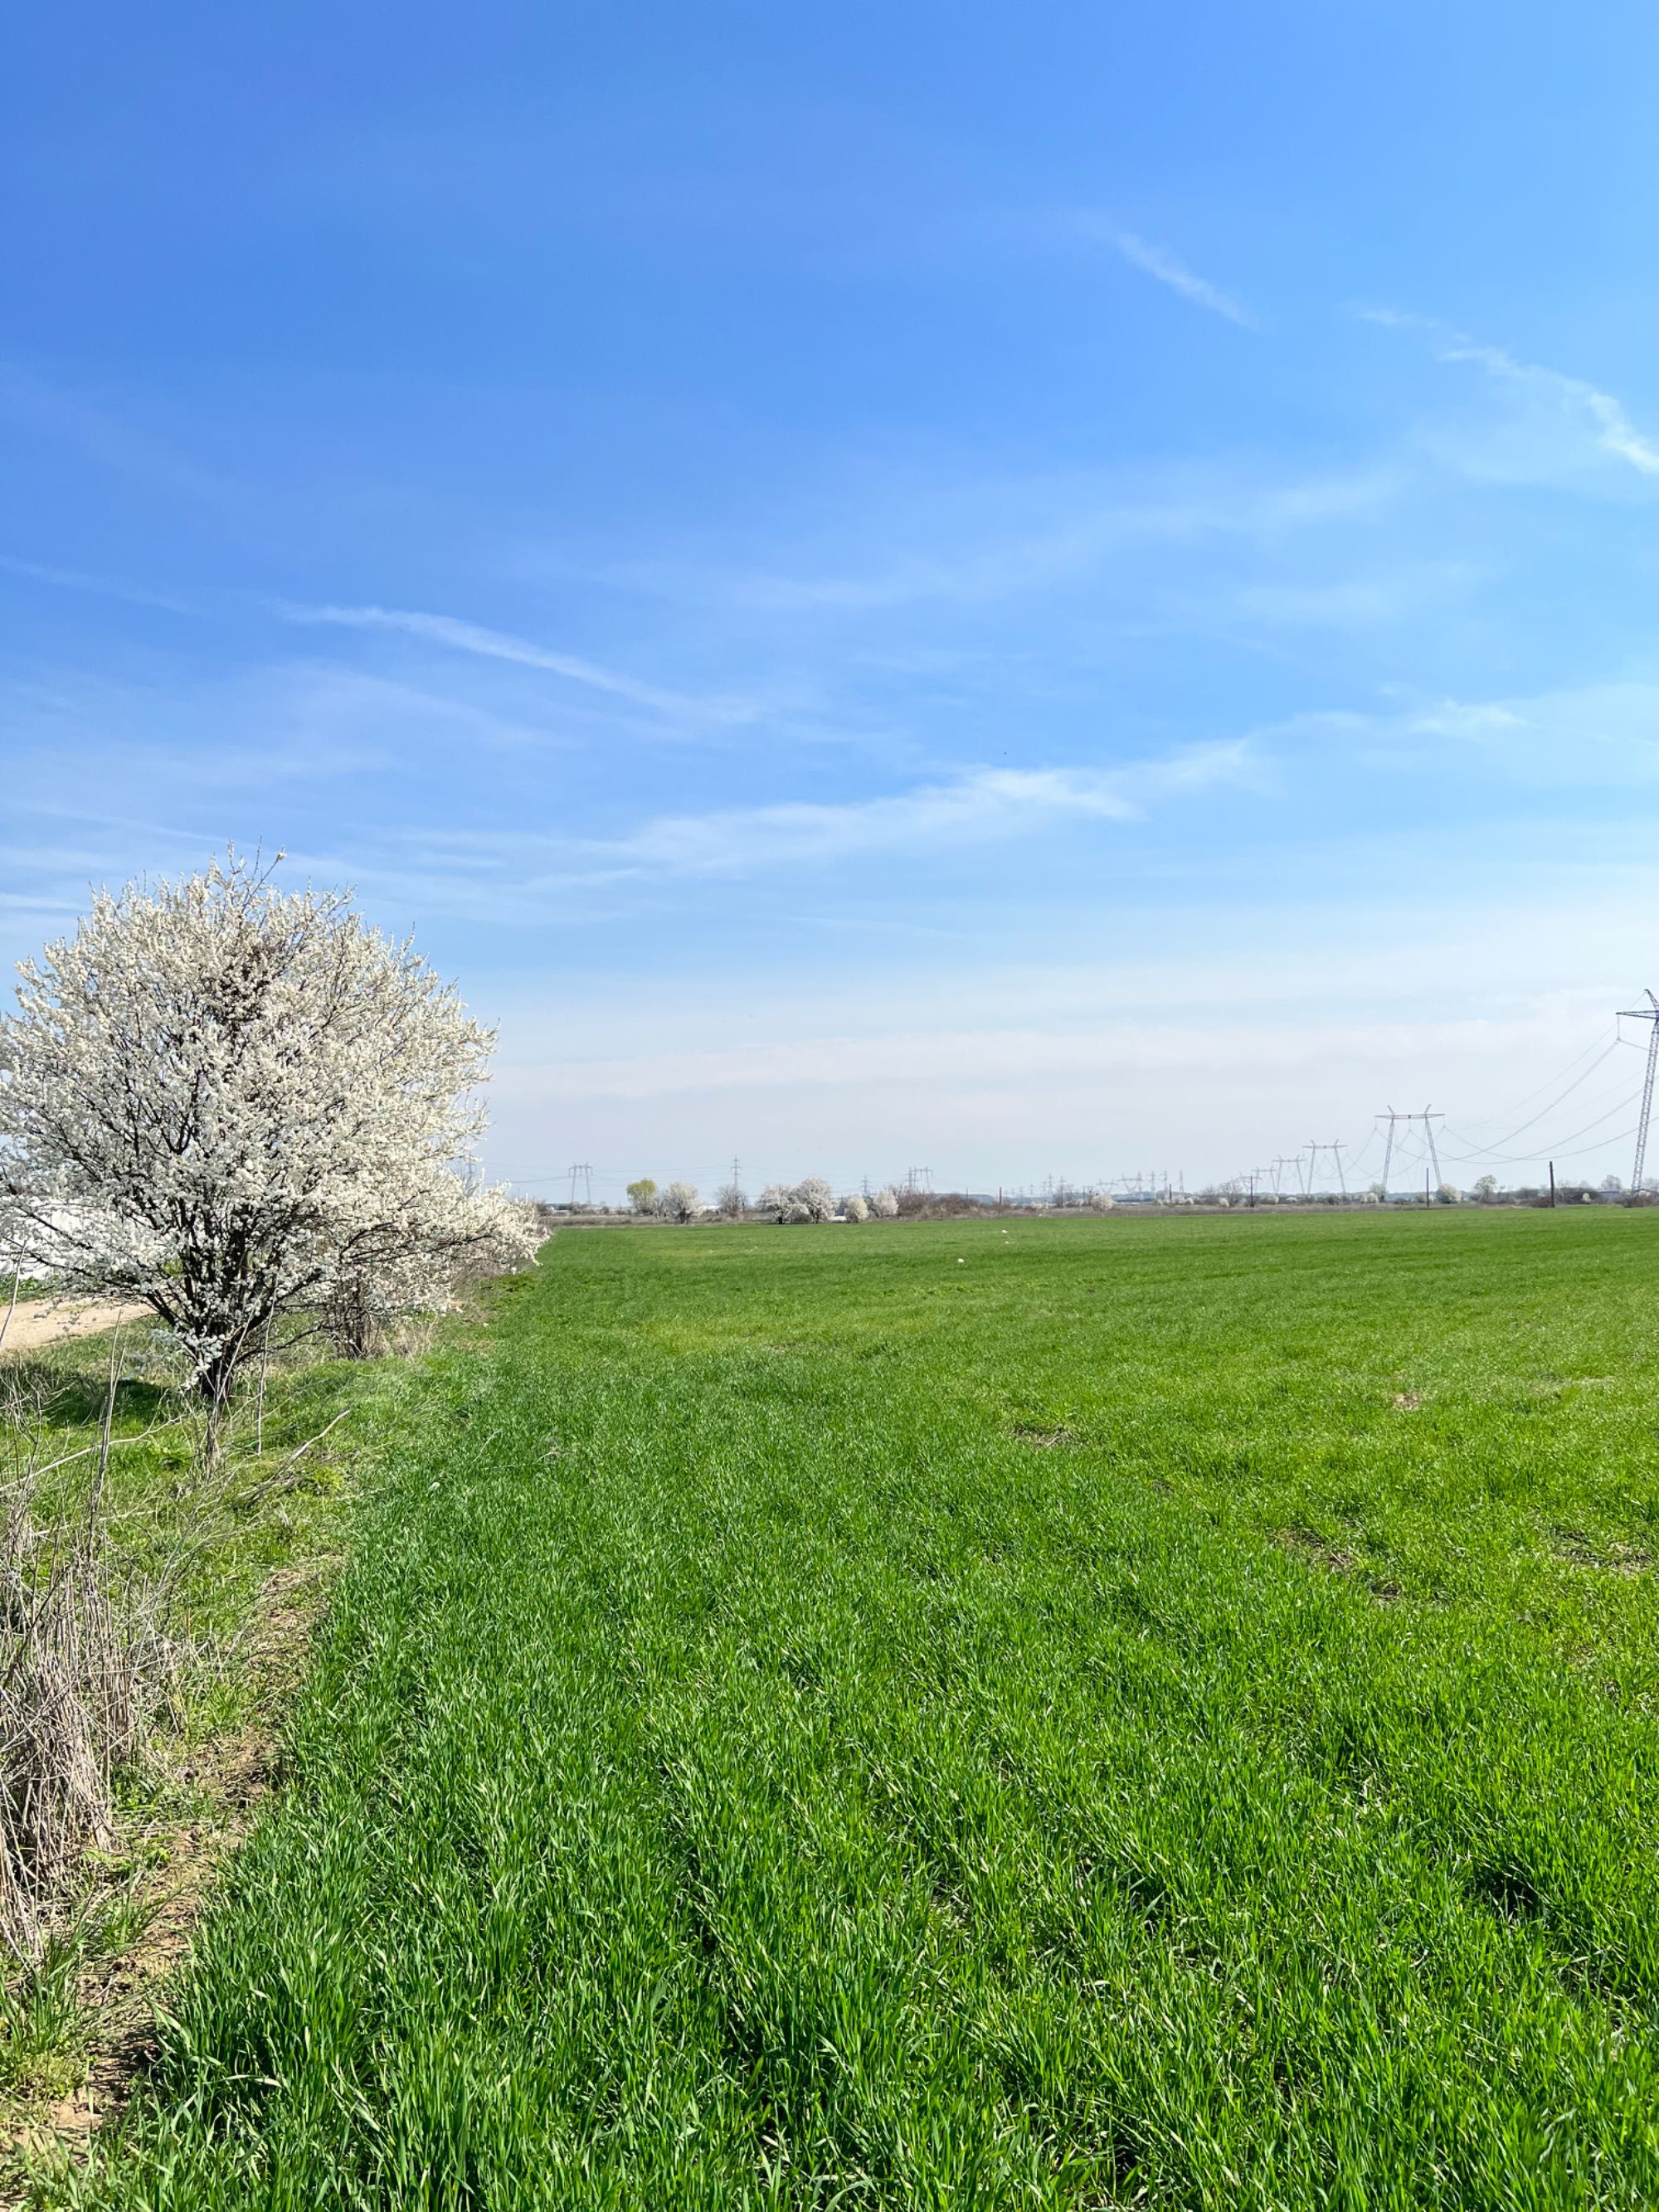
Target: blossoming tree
x=228 y=1102
x=677 y=1201
x=811 y=1199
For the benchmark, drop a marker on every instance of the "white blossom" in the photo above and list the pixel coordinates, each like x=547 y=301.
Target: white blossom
x=775 y=1200
x=854 y=1207
x=228 y=1101
x=811 y=1199
x=677 y=1201
x=884 y=1205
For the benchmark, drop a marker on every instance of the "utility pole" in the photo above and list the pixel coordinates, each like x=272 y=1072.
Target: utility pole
x=1552 y=1183
x=1650 y=1013
x=584 y=1172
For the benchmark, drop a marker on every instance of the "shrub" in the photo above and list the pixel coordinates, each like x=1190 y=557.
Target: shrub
x=811 y=1199
x=678 y=1201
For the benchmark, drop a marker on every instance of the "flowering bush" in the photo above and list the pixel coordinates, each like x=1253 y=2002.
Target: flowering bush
x=227 y=1101
x=811 y=1199
x=677 y=1201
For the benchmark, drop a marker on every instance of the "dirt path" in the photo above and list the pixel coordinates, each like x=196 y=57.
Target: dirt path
x=52 y=1321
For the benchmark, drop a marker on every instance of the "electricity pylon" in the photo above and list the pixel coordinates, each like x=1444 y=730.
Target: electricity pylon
x=1428 y=1117
x=1335 y=1151
x=1648 y=1013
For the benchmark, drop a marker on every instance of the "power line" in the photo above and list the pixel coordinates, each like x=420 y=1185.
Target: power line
x=1485 y=1120
x=1620 y=1106
x=1498 y=1144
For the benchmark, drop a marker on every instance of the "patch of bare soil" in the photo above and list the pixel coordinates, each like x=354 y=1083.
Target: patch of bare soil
x=1582 y=1550
x=45 y=1321
x=1334 y=1559
x=1046 y=1439
x=1308 y=1544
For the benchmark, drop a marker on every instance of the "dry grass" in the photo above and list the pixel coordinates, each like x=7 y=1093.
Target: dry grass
x=155 y=1604
x=85 y=1663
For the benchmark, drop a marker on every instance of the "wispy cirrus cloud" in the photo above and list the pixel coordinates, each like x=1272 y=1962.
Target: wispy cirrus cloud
x=1614 y=431
x=1166 y=268
x=524 y=875
x=984 y=804
x=1583 y=736
x=95 y=586
x=1600 y=412
x=993 y=543
x=459 y=636
x=111 y=442
x=979 y=805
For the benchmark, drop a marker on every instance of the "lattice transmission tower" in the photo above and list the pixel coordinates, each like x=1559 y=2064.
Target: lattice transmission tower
x=1428 y=1117
x=1650 y=1013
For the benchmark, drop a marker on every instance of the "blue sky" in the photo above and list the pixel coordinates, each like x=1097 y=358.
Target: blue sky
x=1039 y=591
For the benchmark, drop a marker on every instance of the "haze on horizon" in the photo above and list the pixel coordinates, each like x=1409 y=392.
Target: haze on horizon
x=1044 y=596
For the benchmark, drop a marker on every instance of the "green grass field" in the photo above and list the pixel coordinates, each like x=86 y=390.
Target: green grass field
x=1144 y=1712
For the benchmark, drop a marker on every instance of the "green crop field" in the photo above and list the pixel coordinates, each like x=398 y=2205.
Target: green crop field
x=1138 y=1712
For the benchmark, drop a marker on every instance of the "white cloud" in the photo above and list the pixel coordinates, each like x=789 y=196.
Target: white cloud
x=513 y=876
x=991 y=543
x=983 y=806
x=104 y=587
x=1156 y=261
x=459 y=637
x=1572 y=399
x=1613 y=430
x=1592 y=735
x=112 y=443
